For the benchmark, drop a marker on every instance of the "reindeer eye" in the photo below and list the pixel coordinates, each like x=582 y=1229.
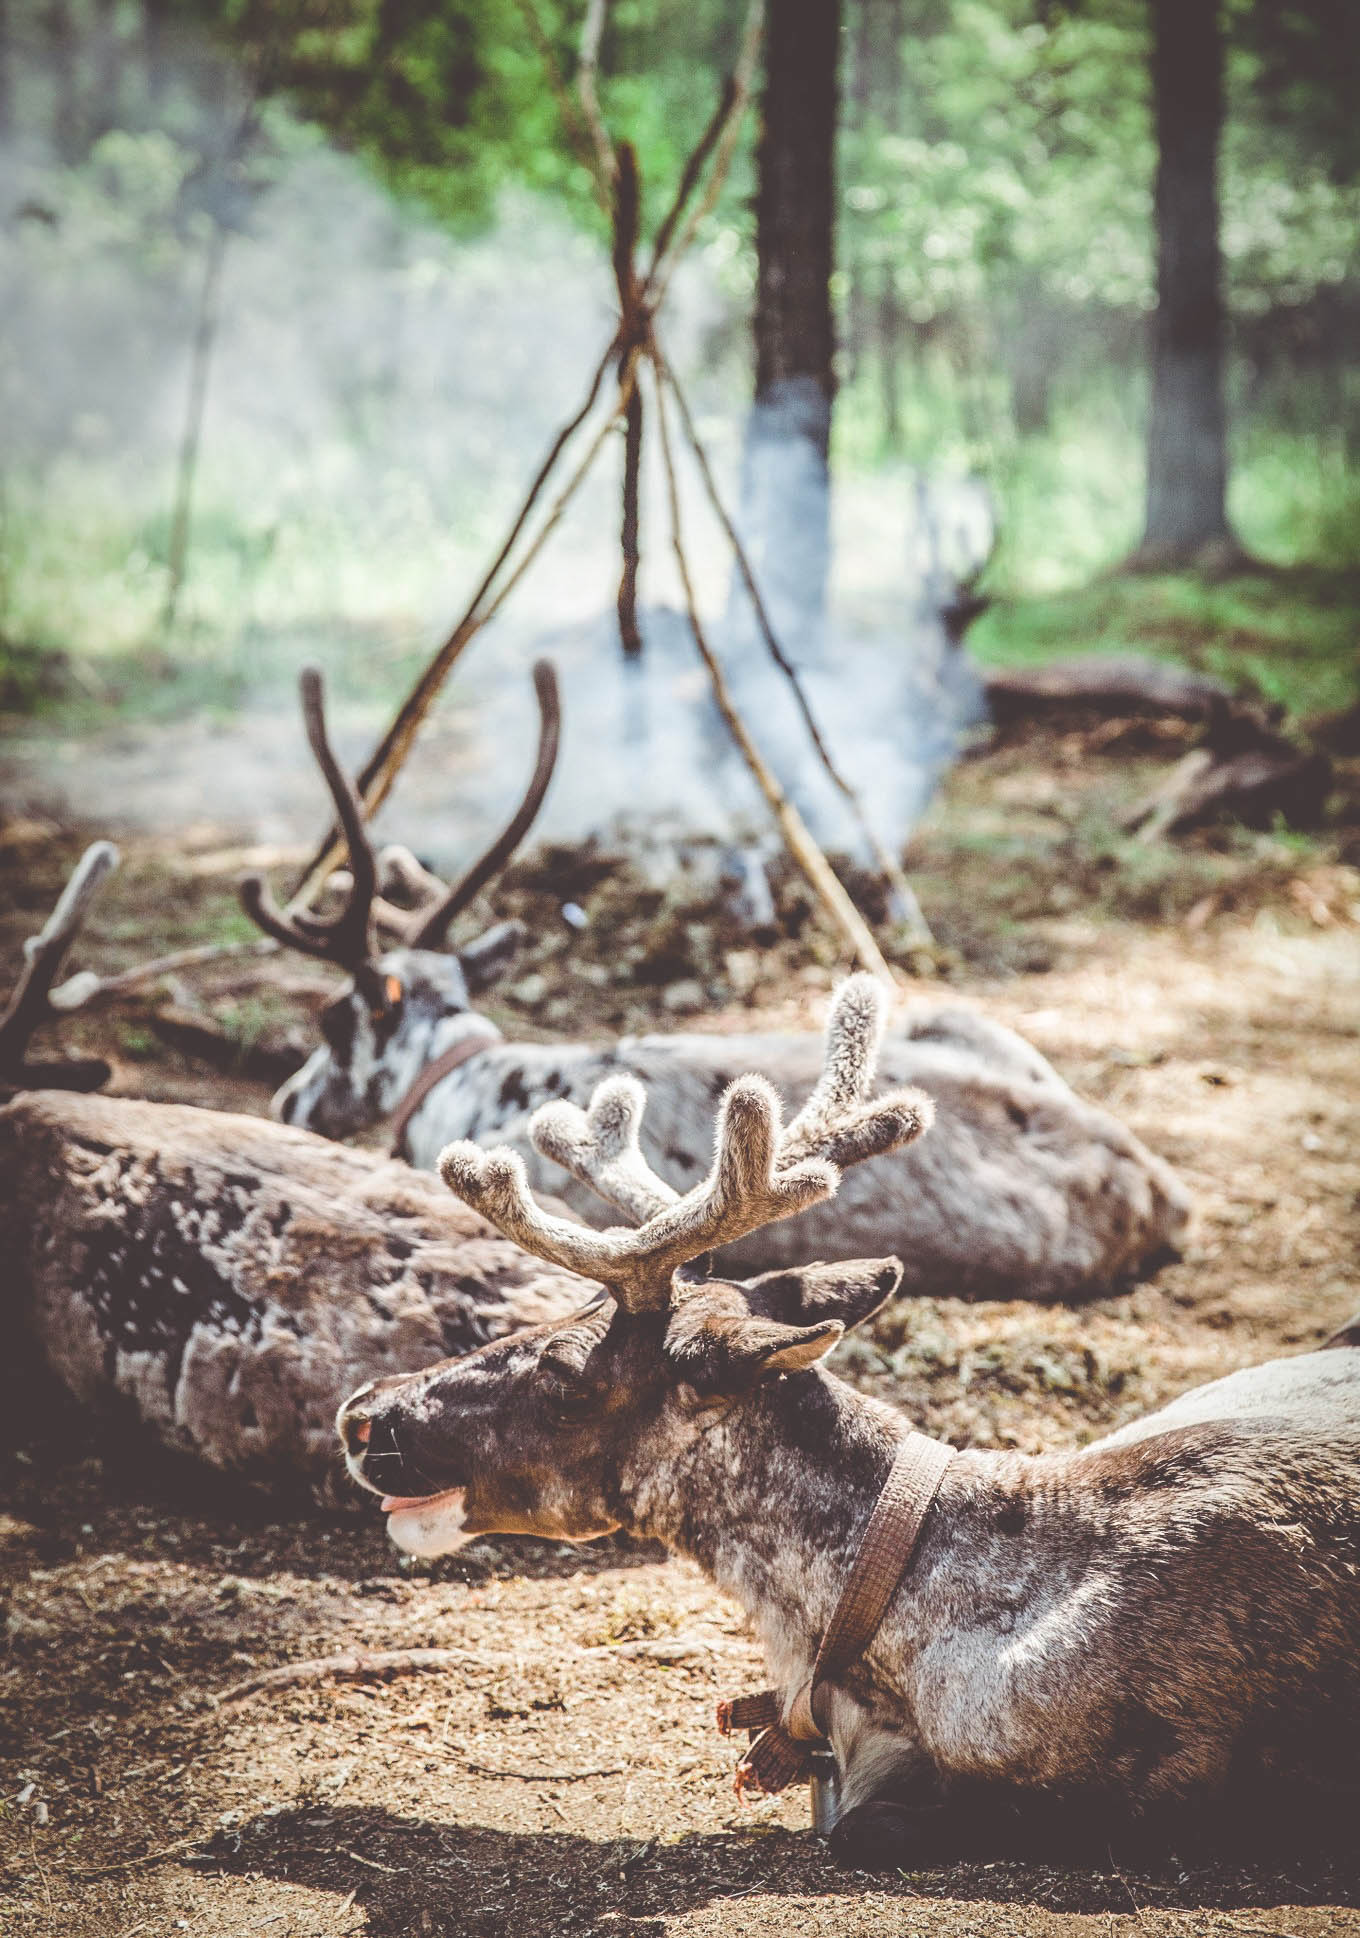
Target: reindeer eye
x=564 y=1398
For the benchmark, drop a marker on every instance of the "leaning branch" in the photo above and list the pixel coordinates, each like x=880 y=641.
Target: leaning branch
x=385 y=762
x=577 y=132
x=587 y=68
x=724 y=140
x=801 y=845
x=911 y=913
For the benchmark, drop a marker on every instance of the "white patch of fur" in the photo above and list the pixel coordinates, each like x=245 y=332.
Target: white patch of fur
x=432 y=1527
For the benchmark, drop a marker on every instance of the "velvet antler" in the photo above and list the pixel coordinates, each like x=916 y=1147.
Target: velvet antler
x=31 y=1003
x=430 y=924
x=344 y=937
x=761 y=1172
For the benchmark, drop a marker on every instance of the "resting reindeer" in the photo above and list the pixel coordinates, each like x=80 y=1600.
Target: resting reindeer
x=223 y=1280
x=1146 y=1622
x=1023 y=1191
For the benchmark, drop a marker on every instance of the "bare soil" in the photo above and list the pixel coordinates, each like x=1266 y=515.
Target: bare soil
x=566 y=1778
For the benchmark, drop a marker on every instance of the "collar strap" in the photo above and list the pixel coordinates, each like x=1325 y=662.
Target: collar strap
x=887 y=1547
x=435 y=1072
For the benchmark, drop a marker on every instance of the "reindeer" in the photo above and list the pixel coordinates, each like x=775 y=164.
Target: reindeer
x=1159 y=1620
x=223 y=1280
x=1024 y=1190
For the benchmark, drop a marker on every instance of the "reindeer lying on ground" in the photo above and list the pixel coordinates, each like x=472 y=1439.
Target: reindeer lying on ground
x=222 y=1279
x=1024 y=1190
x=1148 y=1622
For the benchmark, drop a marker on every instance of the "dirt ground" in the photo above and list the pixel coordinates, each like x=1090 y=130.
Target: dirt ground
x=565 y=1776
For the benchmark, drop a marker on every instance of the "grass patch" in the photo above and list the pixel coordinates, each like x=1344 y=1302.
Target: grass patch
x=1289 y=636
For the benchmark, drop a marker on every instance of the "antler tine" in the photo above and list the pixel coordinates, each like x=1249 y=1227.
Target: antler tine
x=742 y=1192
x=342 y=938
x=430 y=926
x=837 y=1122
x=43 y=953
x=599 y=1146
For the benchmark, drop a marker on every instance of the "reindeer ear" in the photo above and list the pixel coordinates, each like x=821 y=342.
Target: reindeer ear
x=729 y=1353
x=483 y=960
x=850 y=1291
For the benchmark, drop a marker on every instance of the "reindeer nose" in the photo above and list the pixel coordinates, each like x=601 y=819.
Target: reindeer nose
x=356 y=1429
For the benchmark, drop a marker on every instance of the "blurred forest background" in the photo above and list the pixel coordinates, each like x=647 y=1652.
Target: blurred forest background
x=354 y=233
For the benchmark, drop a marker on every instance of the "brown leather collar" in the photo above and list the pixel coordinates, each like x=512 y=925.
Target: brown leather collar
x=781 y=1751
x=448 y=1060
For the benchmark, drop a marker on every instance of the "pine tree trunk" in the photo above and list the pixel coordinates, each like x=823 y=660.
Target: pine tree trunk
x=1187 y=447
x=785 y=484
x=6 y=89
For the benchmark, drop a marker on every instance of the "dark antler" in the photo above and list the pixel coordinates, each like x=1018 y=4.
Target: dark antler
x=429 y=926
x=29 y=1005
x=342 y=938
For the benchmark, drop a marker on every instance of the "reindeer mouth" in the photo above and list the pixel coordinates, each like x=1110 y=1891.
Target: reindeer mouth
x=427 y=1525
x=399 y=1503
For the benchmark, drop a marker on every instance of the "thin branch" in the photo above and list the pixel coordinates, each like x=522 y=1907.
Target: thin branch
x=627 y=197
x=797 y=836
x=743 y=75
x=148 y=1857
x=80 y=990
x=587 y=67
x=544 y=1776
x=385 y=762
x=577 y=131
x=693 y=168
x=889 y=867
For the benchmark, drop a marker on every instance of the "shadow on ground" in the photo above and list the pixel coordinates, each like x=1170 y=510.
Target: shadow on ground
x=416 y=1876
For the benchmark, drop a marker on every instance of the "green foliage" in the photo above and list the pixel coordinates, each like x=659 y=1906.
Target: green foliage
x=1287 y=636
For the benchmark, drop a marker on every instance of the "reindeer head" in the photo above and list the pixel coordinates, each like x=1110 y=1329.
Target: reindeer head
x=382 y=1028
x=563 y=1430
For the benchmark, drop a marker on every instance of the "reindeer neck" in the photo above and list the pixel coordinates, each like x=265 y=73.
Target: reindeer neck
x=772 y=1500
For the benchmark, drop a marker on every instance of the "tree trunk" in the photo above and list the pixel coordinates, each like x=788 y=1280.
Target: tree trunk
x=59 y=34
x=106 y=86
x=6 y=89
x=1187 y=451
x=785 y=484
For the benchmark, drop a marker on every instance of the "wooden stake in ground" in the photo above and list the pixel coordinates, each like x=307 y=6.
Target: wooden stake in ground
x=797 y=836
x=384 y=764
x=205 y=334
x=912 y=915
x=626 y=201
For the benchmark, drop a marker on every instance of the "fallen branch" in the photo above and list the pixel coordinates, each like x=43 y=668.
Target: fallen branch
x=148 y=1857
x=544 y=1776
x=365 y=1665
x=797 y=836
x=1253 y=787
x=1110 y=683
x=80 y=990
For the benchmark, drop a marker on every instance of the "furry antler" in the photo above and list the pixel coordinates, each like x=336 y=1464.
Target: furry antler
x=31 y=1001
x=429 y=925
x=342 y=938
x=761 y=1172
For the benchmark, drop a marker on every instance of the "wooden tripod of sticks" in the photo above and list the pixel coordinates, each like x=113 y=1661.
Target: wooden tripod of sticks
x=633 y=345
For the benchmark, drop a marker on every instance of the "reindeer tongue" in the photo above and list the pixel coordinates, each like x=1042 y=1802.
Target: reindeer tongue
x=395 y=1503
